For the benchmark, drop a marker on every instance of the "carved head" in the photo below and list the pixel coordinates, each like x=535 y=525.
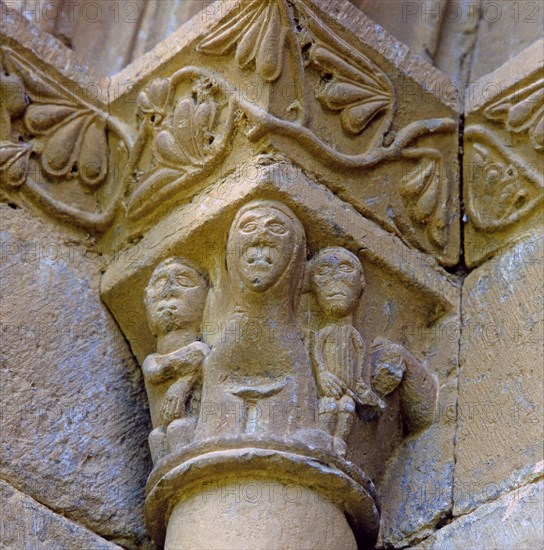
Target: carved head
x=337 y=280
x=175 y=296
x=266 y=244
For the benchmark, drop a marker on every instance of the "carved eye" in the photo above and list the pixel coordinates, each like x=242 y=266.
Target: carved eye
x=248 y=227
x=278 y=228
x=184 y=281
x=160 y=282
x=323 y=270
x=346 y=267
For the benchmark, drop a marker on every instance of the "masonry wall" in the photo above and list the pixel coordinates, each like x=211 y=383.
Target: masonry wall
x=73 y=411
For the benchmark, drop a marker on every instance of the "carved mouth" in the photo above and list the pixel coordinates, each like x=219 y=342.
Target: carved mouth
x=167 y=307
x=259 y=256
x=338 y=294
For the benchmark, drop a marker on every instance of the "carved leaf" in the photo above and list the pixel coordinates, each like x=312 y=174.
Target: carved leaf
x=422 y=191
x=37 y=87
x=167 y=150
x=226 y=36
x=361 y=93
x=187 y=143
x=73 y=139
x=357 y=118
x=270 y=56
x=258 y=35
x=249 y=42
x=153 y=185
x=537 y=135
x=59 y=154
x=93 y=158
x=339 y=95
x=39 y=119
x=13 y=163
x=522 y=111
x=154 y=99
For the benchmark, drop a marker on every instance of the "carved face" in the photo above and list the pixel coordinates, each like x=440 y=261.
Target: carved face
x=175 y=297
x=336 y=278
x=264 y=241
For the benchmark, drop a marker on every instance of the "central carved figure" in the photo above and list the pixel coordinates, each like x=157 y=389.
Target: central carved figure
x=258 y=378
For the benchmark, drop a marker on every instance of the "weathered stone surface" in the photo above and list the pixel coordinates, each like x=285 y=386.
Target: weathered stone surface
x=258 y=514
x=505 y=29
x=513 y=521
x=499 y=439
x=26 y=524
x=504 y=155
x=73 y=408
x=417 y=24
x=394 y=275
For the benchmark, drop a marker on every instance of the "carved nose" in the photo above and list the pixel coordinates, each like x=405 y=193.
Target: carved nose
x=167 y=290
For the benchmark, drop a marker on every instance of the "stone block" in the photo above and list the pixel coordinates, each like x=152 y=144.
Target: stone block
x=513 y=521
x=499 y=438
x=506 y=28
x=27 y=525
x=73 y=407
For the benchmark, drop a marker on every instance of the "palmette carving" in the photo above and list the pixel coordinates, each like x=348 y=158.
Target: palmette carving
x=68 y=136
x=186 y=138
x=502 y=188
x=425 y=192
x=49 y=137
x=360 y=94
x=522 y=111
x=187 y=121
x=257 y=33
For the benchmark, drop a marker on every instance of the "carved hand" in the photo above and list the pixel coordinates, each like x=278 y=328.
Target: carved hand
x=330 y=385
x=172 y=407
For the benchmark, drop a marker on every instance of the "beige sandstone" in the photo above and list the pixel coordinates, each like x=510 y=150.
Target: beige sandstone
x=513 y=521
x=272 y=195
x=71 y=391
x=499 y=441
x=504 y=160
x=25 y=523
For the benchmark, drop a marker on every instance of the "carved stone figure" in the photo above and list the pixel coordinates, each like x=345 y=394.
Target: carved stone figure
x=393 y=366
x=258 y=377
x=175 y=299
x=337 y=281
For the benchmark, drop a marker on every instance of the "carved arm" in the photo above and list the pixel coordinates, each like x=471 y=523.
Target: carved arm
x=160 y=368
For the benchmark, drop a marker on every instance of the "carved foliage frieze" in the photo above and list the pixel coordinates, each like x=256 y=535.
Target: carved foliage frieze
x=324 y=103
x=276 y=40
x=51 y=138
x=504 y=166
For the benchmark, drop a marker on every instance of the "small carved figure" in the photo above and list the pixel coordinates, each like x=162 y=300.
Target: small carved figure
x=337 y=281
x=394 y=368
x=258 y=377
x=175 y=299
